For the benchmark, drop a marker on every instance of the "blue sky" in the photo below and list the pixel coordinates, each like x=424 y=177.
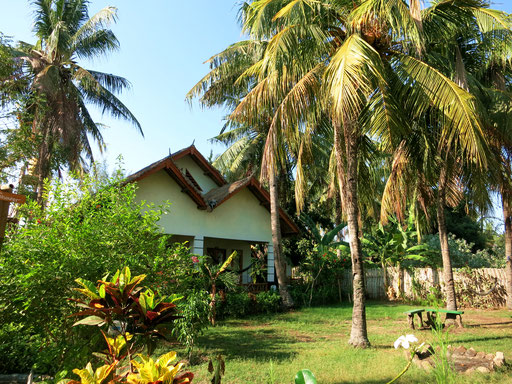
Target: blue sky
x=163 y=46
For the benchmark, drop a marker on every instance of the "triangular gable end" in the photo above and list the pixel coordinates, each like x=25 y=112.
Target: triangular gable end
x=201 y=161
x=216 y=196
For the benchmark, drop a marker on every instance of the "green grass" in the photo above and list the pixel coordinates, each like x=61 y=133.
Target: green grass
x=316 y=338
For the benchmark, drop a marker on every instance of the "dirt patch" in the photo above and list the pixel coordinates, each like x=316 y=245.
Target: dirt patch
x=301 y=337
x=252 y=326
x=334 y=336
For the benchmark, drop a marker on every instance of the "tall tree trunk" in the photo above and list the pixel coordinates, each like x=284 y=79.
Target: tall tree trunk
x=507 y=216
x=276 y=241
x=43 y=165
x=385 y=278
x=449 y=285
x=506 y=197
x=358 y=333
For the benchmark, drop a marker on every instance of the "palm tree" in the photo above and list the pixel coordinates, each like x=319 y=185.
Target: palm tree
x=227 y=84
x=470 y=36
x=349 y=61
x=60 y=89
x=355 y=62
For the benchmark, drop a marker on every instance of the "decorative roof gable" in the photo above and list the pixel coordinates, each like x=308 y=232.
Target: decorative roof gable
x=216 y=196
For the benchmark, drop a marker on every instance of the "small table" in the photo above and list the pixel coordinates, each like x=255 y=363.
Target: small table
x=410 y=316
x=432 y=315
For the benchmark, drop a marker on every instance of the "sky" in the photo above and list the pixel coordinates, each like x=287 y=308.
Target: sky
x=164 y=44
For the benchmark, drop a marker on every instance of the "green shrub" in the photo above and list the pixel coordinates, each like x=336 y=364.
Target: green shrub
x=238 y=304
x=268 y=302
x=195 y=311
x=87 y=228
x=462 y=255
x=16 y=349
x=242 y=304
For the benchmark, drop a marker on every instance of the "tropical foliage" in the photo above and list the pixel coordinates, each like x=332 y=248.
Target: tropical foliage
x=56 y=91
x=127 y=307
x=88 y=228
x=371 y=71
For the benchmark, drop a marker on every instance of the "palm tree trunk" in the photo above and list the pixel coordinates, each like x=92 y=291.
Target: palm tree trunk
x=449 y=285
x=385 y=278
x=43 y=165
x=358 y=333
x=507 y=216
x=279 y=264
x=506 y=198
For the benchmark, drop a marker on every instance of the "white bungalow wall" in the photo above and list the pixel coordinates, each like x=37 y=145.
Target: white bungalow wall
x=242 y=217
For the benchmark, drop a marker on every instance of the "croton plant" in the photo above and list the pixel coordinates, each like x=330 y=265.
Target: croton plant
x=132 y=316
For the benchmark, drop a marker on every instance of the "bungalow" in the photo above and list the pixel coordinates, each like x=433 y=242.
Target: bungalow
x=215 y=217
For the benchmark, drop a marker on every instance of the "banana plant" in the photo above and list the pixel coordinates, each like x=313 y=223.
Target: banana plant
x=324 y=249
x=391 y=245
x=215 y=274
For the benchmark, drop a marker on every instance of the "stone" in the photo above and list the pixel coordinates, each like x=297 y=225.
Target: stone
x=470 y=370
x=499 y=359
x=483 y=370
x=480 y=355
x=459 y=350
x=489 y=356
x=471 y=352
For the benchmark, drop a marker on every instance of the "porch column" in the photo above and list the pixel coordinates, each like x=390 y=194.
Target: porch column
x=270 y=263
x=198 y=248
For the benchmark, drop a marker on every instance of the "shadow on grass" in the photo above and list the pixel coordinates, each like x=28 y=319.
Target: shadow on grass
x=486 y=324
x=464 y=340
x=261 y=345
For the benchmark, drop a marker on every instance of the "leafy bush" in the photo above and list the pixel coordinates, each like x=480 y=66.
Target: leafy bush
x=195 y=310
x=237 y=304
x=120 y=368
x=87 y=228
x=16 y=349
x=268 y=302
x=123 y=306
x=462 y=255
x=241 y=304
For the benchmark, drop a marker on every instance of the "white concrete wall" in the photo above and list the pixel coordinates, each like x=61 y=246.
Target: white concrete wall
x=240 y=218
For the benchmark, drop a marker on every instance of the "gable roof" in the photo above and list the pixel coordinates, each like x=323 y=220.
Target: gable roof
x=172 y=170
x=216 y=196
x=200 y=160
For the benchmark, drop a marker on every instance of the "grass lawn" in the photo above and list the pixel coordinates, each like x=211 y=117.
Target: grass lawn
x=316 y=338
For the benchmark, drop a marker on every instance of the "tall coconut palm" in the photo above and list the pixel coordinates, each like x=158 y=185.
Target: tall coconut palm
x=496 y=80
x=60 y=89
x=347 y=60
x=227 y=84
x=354 y=61
x=461 y=55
